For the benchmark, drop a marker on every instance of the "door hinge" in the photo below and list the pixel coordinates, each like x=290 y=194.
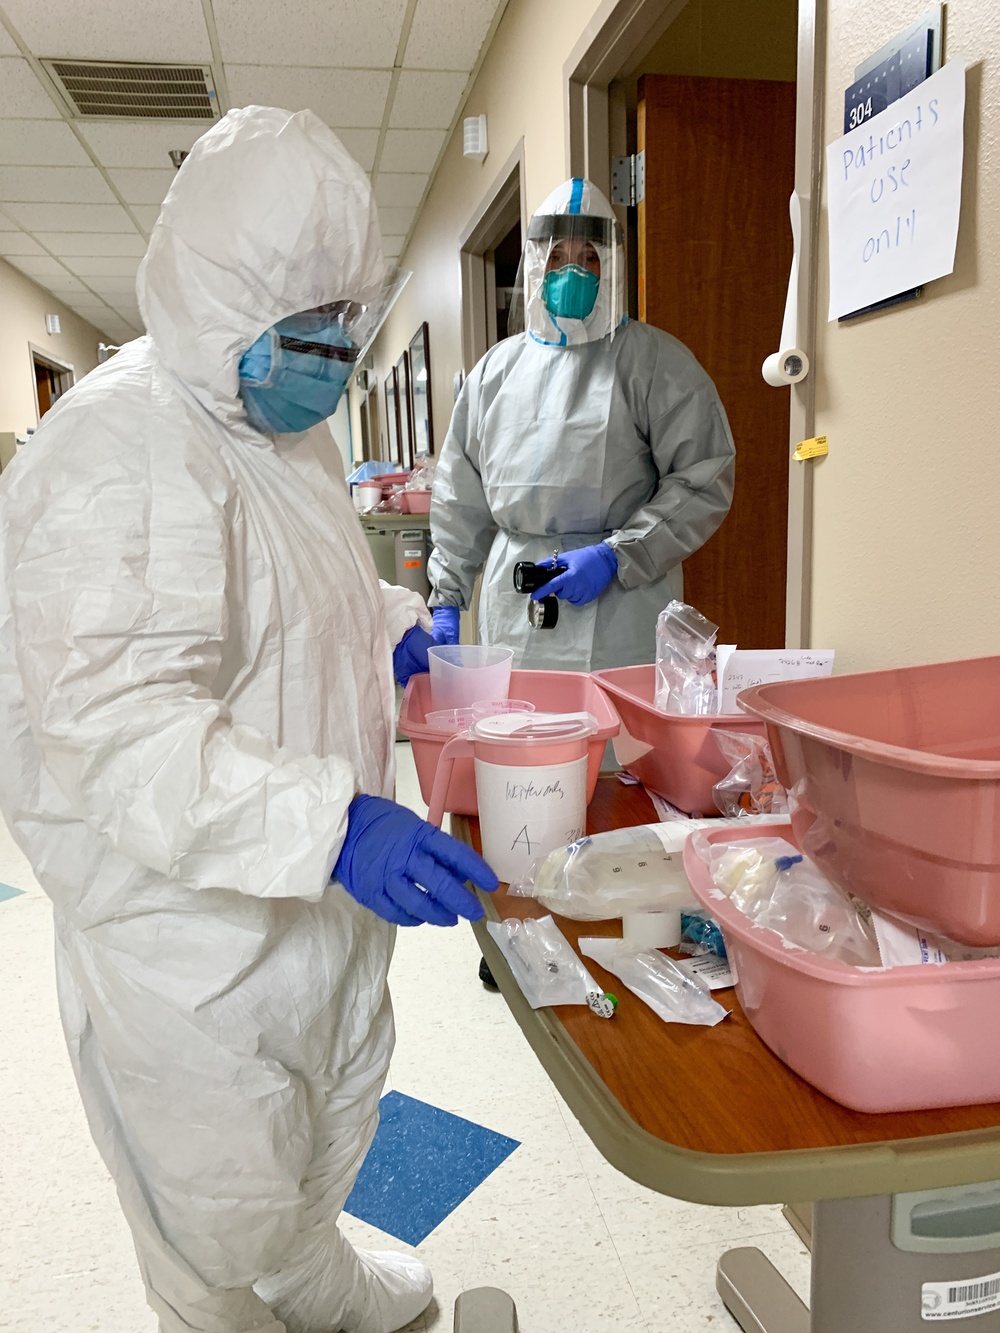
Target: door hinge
x=628 y=179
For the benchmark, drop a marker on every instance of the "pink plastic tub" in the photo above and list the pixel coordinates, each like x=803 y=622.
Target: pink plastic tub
x=415 y=502
x=896 y=775
x=672 y=755
x=549 y=691
x=904 y=1039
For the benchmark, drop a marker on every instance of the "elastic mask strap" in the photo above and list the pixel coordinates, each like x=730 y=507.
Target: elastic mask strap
x=326 y=350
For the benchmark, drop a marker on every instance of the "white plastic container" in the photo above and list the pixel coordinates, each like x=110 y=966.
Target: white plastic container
x=465 y=674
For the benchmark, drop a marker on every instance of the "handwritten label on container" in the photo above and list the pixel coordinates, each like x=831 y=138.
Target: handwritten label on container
x=894 y=189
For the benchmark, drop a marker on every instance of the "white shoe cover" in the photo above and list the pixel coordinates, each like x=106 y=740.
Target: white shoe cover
x=400 y=1288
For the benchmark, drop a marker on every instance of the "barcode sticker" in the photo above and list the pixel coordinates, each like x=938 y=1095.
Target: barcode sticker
x=960 y=1300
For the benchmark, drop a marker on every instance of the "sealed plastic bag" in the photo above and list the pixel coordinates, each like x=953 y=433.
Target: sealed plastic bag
x=685 y=661
x=543 y=962
x=779 y=889
x=751 y=787
x=657 y=980
x=701 y=934
x=904 y=945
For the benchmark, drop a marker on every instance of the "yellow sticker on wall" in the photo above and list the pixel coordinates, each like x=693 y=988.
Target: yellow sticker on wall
x=817 y=447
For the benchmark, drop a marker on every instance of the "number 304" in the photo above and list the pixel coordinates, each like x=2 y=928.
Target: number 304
x=860 y=113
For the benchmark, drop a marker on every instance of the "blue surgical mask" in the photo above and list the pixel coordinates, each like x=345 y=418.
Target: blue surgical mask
x=570 y=292
x=293 y=376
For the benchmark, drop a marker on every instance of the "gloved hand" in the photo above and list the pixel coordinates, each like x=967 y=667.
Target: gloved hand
x=588 y=572
x=410 y=655
x=445 y=624
x=406 y=870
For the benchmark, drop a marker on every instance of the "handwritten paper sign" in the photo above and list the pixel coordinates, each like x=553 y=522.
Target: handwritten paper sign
x=525 y=813
x=894 y=191
x=747 y=667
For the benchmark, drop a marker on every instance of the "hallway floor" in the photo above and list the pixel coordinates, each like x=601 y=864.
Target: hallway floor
x=578 y=1246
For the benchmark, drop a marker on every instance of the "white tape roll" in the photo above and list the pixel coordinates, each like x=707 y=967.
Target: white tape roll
x=788 y=367
x=652 y=930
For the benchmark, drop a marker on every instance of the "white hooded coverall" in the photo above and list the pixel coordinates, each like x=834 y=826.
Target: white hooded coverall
x=195 y=667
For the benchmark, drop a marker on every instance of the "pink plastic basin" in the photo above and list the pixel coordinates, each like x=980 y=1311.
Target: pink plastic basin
x=672 y=755
x=904 y=1039
x=416 y=502
x=896 y=776
x=549 y=691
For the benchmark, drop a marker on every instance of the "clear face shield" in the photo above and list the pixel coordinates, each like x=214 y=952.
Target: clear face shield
x=571 y=281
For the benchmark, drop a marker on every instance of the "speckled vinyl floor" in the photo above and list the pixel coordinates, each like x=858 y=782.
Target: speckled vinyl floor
x=577 y=1245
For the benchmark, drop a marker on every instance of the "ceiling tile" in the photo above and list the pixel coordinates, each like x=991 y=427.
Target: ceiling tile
x=411 y=150
x=396 y=221
x=38 y=266
x=146 y=214
x=40 y=143
x=70 y=217
x=397 y=189
x=89 y=306
x=361 y=144
x=161 y=30
x=21 y=94
x=68 y=243
x=426 y=101
x=90 y=266
x=8 y=47
x=282 y=32
x=342 y=97
x=67 y=287
x=18 y=243
x=139 y=145
x=54 y=185
x=446 y=35
x=139 y=185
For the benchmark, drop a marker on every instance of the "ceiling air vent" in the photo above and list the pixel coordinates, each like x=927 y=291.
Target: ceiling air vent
x=105 y=89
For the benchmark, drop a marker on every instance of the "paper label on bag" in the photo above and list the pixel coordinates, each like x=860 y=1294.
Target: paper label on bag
x=960 y=1300
x=817 y=447
x=715 y=972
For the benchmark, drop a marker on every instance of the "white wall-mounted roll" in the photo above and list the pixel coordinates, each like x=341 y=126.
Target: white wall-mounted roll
x=789 y=364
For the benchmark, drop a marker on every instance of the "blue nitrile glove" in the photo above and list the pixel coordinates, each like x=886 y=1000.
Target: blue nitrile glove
x=445 y=624
x=410 y=655
x=588 y=572
x=406 y=870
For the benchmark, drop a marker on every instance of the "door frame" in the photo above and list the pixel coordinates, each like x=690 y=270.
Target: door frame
x=501 y=207
x=612 y=44
x=63 y=369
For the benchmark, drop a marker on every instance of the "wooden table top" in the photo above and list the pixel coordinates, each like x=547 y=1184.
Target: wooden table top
x=717 y=1098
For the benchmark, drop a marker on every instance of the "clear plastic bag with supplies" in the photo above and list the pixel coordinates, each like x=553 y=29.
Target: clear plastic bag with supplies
x=779 y=889
x=657 y=980
x=751 y=787
x=543 y=962
x=685 y=661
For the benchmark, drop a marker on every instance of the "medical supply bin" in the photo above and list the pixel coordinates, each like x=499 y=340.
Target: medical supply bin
x=896 y=1039
x=673 y=755
x=895 y=785
x=549 y=691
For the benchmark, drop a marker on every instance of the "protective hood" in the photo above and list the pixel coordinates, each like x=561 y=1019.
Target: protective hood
x=268 y=216
x=574 y=216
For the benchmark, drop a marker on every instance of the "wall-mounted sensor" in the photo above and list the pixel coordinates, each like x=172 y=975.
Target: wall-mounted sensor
x=53 y=324
x=177 y=156
x=474 y=143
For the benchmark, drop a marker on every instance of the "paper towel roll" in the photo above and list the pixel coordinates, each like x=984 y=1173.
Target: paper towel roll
x=790 y=364
x=652 y=930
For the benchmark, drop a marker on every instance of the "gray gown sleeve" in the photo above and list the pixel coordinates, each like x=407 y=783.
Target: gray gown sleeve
x=462 y=526
x=694 y=454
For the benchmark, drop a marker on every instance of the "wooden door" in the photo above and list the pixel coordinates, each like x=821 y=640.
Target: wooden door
x=714 y=253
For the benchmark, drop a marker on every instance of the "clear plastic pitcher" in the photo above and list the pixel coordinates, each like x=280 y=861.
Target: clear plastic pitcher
x=531 y=784
x=464 y=674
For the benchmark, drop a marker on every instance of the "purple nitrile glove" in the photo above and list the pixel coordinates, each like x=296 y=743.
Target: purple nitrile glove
x=406 y=870
x=410 y=655
x=589 y=570
x=446 y=619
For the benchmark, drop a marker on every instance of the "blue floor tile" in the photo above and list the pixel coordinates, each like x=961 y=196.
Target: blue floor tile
x=423 y=1163
x=7 y=892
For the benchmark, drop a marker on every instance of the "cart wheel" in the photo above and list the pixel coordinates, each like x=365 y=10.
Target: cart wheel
x=486 y=976
x=485 y=1310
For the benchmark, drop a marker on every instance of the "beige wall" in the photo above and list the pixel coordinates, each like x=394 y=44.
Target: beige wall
x=23 y=307
x=906 y=559
x=521 y=89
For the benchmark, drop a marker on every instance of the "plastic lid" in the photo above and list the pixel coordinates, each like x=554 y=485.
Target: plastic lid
x=536 y=728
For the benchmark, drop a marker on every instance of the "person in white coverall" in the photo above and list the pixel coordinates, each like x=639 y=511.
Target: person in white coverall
x=589 y=435
x=196 y=663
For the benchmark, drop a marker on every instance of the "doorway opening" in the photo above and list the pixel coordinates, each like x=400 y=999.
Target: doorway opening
x=718 y=100
x=52 y=378
x=490 y=254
